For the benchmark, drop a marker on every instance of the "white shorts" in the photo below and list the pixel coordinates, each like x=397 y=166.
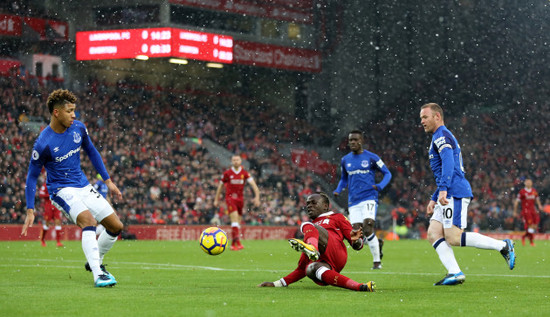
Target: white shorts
x=72 y=201
x=454 y=213
x=363 y=210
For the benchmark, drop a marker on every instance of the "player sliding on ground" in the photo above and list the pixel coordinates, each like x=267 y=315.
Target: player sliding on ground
x=324 y=253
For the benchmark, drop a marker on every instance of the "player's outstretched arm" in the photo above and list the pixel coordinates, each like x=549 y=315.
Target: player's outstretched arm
x=442 y=198
x=28 y=221
x=356 y=241
x=218 y=194
x=113 y=189
x=430 y=208
x=256 y=190
x=516 y=202
x=539 y=204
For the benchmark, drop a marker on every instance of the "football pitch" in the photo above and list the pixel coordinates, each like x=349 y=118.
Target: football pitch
x=175 y=278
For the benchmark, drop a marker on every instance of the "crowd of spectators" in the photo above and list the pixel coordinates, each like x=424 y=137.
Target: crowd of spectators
x=150 y=141
x=143 y=135
x=502 y=138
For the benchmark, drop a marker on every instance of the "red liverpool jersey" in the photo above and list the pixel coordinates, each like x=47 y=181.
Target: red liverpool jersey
x=234 y=181
x=528 y=198
x=335 y=255
x=335 y=223
x=43 y=192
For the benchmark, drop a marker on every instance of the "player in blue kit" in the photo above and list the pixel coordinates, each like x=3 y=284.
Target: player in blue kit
x=358 y=175
x=57 y=148
x=101 y=188
x=449 y=203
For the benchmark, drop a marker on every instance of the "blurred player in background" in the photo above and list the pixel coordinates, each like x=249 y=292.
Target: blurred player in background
x=101 y=187
x=57 y=148
x=52 y=216
x=324 y=253
x=528 y=196
x=358 y=175
x=234 y=180
x=449 y=203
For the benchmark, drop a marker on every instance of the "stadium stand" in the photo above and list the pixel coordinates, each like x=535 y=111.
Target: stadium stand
x=149 y=136
x=144 y=136
x=150 y=140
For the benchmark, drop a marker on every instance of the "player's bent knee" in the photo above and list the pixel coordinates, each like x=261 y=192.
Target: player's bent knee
x=433 y=237
x=316 y=269
x=117 y=228
x=85 y=219
x=113 y=224
x=368 y=227
x=453 y=239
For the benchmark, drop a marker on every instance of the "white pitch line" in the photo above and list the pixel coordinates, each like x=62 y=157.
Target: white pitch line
x=169 y=266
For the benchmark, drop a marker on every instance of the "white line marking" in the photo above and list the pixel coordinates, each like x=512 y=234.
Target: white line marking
x=169 y=266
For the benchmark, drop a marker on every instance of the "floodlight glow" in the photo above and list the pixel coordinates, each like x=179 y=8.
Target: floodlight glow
x=178 y=61
x=214 y=65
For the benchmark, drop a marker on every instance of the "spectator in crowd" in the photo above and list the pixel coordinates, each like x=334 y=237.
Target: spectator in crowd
x=143 y=149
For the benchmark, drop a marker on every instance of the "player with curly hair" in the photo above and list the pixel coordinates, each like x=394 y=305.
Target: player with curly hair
x=57 y=149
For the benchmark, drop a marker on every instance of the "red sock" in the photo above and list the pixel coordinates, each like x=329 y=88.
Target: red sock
x=530 y=236
x=311 y=235
x=44 y=233
x=58 y=236
x=336 y=279
x=235 y=235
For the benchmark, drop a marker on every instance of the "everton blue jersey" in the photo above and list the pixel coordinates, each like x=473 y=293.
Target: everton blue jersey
x=101 y=188
x=358 y=174
x=446 y=164
x=59 y=153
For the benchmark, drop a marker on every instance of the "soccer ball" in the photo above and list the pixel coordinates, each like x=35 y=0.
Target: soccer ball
x=213 y=241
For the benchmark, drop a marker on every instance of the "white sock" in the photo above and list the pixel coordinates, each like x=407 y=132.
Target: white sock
x=105 y=242
x=374 y=247
x=446 y=255
x=91 y=251
x=99 y=229
x=474 y=239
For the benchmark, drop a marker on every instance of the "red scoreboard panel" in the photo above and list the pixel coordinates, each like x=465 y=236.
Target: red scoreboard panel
x=153 y=42
x=202 y=46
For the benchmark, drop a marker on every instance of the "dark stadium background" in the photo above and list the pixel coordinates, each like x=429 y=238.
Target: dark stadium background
x=166 y=130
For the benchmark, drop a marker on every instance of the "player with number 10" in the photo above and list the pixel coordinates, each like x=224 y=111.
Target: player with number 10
x=449 y=203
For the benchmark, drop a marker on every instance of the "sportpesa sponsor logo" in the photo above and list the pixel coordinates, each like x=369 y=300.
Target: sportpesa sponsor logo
x=66 y=156
x=358 y=172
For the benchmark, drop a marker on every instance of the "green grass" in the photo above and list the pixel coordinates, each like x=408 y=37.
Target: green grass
x=175 y=278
